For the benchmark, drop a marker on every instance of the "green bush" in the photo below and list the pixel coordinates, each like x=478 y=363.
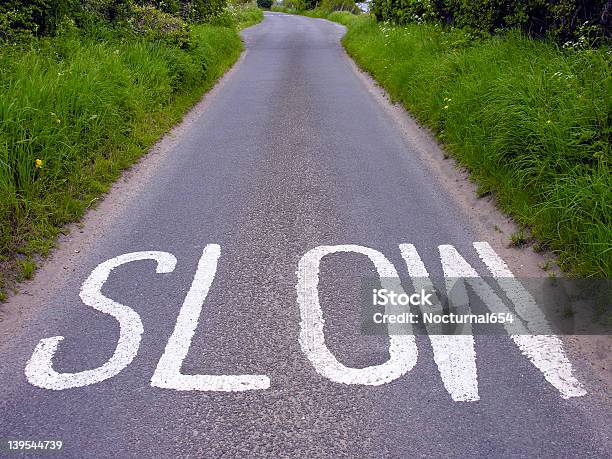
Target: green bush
x=339 y=5
x=199 y=11
x=246 y=13
x=300 y=5
x=237 y=14
x=154 y=24
x=25 y=18
x=264 y=4
x=563 y=19
x=174 y=7
x=91 y=13
x=405 y=11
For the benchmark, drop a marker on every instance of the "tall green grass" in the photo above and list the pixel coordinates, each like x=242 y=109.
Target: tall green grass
x=529 y=120
x=247 y=15
x=83 y=106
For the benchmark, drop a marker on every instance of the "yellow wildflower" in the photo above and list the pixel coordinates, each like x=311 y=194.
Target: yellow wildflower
x=38 y=163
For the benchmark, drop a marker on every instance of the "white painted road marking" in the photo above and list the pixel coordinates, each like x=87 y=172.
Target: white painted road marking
x=39 y=369
x=454 y=354
x=168 y=373
x=402 y=348
x=545 y=351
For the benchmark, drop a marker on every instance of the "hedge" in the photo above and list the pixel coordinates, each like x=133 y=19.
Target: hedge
x=563 y=19
x=21 y=19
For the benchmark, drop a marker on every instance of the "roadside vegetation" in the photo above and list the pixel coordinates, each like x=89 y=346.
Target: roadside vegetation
x=521 y=98
x=85 y=89
x=316 y=8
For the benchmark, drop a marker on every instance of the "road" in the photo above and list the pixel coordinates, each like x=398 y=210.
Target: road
x=292 y=162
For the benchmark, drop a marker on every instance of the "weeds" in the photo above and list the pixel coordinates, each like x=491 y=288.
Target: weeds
x=546 y=266
x=518 y=239
x=528 y=119
x=28 y=267
x=483 y=191
x=77 y=109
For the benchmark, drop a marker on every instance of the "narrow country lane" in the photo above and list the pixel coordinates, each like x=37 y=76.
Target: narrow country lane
x=292 y=159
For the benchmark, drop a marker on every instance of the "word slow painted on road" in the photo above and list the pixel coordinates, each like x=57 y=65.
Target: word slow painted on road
x=454 y=356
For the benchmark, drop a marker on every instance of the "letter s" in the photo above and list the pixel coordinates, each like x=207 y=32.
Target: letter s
x=39 y=369
x=382 y=298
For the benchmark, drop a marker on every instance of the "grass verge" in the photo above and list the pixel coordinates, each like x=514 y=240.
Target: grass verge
x=530 y=121
x=76 y=110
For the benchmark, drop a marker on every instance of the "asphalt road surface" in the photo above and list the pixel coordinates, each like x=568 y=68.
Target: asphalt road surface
x=216 y=312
